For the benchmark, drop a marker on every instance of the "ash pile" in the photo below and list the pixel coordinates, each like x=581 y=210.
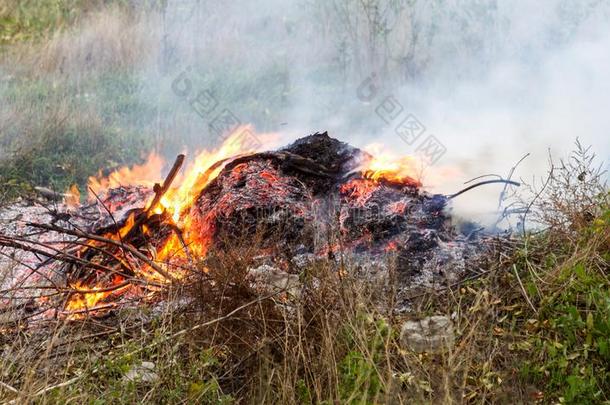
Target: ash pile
x=310 y=200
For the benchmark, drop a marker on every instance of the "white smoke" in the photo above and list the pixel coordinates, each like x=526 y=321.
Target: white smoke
x=492 y=80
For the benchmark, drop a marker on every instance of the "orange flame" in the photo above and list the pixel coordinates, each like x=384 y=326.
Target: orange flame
x=199 y=174
x=138 y=175
x=72 y=199
x=176 y=203
x=383 y=165
x=85 y=301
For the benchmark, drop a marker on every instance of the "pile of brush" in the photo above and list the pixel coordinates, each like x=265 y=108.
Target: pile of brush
x=308 y=200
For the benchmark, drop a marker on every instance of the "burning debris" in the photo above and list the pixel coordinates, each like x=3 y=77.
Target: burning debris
x=315 y=198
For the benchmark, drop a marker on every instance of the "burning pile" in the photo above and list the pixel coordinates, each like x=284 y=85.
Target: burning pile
x=316 y=197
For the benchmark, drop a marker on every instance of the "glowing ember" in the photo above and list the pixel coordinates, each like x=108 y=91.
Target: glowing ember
x=177 y=202
x=317 y=197
x=358 y=189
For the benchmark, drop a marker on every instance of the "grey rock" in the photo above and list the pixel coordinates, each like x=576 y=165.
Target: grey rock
x=432 y=334
x=144 y=373
x=271 y=279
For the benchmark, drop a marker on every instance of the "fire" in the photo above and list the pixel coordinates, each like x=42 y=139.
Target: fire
x=201 y=172
x=359 y=189
x=81 y=301
x=188 y=239
x=381 y=166
x=384 y=165
x=72 y=198
x=178 y=201
x=89 y=300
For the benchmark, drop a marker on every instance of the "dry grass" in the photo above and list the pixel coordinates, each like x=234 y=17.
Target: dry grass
x=111 y=39
x=338 y=342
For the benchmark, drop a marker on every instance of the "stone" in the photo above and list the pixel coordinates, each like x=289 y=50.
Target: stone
x=271 y=279
x=432 y=334
x=144 y=372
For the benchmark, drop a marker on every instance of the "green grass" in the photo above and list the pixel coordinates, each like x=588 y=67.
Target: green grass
x=59 y=135
x=571 y=346
x=33 y=20
x=55 y=130
x=58 y=127
x=191 y=377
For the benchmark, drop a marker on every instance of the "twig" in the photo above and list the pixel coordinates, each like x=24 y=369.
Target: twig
x=180 y=237
x=98 y=238
x=529 y=206
x=527 y=298
x=60 y=256
x=510 y=176
x=173 y=336
x=65 y=253
x=106 y=289
x=8 y=387
x=51 y=388
x=81 y=338
x=89 y=310
x=118 y=232
x=33 y=270
x=160 y=191
x=449 y=287
x=483 y=176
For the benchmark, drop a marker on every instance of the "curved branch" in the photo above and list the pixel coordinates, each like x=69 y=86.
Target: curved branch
x=482 y=183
